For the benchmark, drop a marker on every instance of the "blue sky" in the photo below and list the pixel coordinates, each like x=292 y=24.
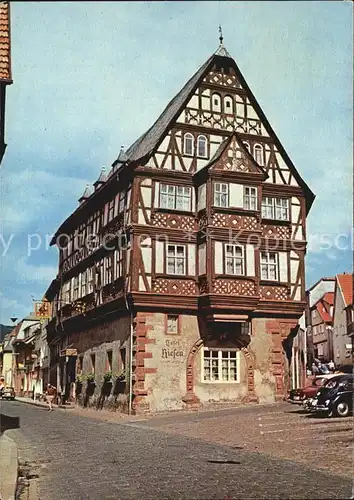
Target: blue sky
x=89 y=77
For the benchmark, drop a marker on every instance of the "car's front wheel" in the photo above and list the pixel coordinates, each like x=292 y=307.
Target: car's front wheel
x=340 y=409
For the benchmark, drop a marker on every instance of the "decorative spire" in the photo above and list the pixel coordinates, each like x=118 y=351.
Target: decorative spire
x=86 y=194
x=102 y=178
x=221 y=51
x=221 y=38
x=122 y=156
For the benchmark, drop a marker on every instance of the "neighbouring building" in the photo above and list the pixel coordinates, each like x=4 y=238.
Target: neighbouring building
x=298 y=363
x=321 y=316
x=23 y=343
x=5 y=67
x=184 y=268
x=313 y=296
x=343 y=320
x=8 y=361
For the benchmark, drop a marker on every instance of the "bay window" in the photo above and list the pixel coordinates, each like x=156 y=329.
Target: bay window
x=176 y=259
x=221 y=195
x=269 y=266
x=250 y=198
x=234 y=259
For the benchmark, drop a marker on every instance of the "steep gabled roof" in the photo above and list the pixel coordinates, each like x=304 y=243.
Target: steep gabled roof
x=148 y=141
x=345 y=282
x=146 y=144
x=323 y=305
x=329 y=298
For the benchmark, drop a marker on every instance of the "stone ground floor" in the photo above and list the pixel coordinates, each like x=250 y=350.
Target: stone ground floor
x=175 y=361
x=260 y=451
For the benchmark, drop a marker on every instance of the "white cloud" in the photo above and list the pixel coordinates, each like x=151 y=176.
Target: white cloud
x=33 y=196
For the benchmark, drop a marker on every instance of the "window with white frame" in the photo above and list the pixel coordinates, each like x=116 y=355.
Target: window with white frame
x=188 y=144
x=275 y=208
x=66 y=292
x=258 y=154
x=110 y=210
x=90 y=279
x=234 y=259
x=220 y=365
x=269 y=266
x=250 y=198
x=202 y=146
x=216 y=103
x=116 y=204
x=76 y=287
x=221 y=194
x=175 y=197
x=118 y=263
x=122 y=201
x=281 y=209
x=84 y=283
x=108 y=272
x=176 y=259
x=172 y=324
x=247 y=146
x=246 y=328
x=105 y=214
x=228 y=105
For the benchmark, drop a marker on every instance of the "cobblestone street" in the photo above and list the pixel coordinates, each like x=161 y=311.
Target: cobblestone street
x=79 y=457
x=281 y=430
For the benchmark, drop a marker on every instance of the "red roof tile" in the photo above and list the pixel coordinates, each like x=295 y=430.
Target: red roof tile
x=345 y=282
x=323 y=306
x=5 y=42
x=329 y=298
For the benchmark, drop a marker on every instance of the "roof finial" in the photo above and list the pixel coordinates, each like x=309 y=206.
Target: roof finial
x=221 y=38
x=221 y=51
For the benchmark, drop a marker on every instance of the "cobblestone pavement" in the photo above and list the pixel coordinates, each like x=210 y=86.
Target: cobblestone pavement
x=281 y=430
x=81 y=458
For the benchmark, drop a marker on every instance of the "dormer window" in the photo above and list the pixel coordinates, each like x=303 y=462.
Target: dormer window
x=221 y=194
x=258 y=154
x=202 y=146
x=188 y=145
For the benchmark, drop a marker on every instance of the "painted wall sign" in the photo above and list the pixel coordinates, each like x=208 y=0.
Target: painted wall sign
x=173 y=351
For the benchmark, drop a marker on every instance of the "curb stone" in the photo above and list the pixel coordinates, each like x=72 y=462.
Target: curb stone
x=8 y=463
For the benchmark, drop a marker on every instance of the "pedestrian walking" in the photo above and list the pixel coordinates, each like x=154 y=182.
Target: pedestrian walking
x=331 y=366
x=50 y=393
x=2 y=386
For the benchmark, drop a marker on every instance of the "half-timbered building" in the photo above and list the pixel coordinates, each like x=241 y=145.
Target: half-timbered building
x=185 y=264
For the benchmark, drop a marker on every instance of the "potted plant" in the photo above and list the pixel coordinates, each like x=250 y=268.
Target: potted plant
x=90 y=378
x=107 y=377
x=90 y=381
x=120 y=376
x=80 y=379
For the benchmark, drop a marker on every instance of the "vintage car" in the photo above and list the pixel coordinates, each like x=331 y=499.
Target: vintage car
x=302 y=394
x=8 y=393
x=335 y=397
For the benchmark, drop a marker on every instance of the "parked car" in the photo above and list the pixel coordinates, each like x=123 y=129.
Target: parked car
x=302 y=394
x=8 y=393
x=346 y=369
x=335 y=397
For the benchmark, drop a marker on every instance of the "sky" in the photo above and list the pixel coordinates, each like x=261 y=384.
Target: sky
x=92 y=76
